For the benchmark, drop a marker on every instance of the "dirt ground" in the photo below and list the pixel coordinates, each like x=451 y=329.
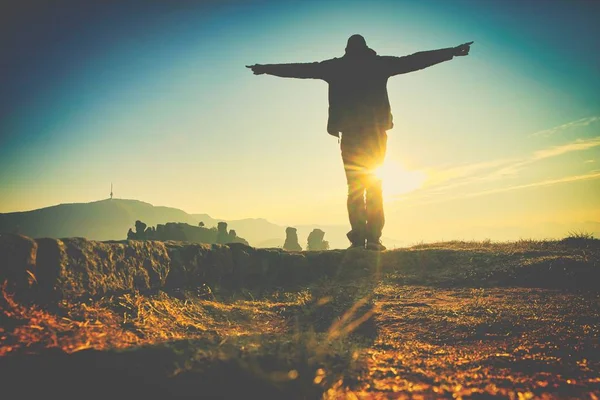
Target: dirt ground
x=395 y=334
x=515 y=343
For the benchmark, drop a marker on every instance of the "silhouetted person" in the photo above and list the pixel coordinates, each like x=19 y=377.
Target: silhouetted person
x=359 y=109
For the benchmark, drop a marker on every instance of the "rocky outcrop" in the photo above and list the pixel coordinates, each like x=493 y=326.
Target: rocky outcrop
x=315 y=241
x=185 y=232
x=46 y=271
x=18 y=255
x=224 y=237
x=49 y=270
x=192 y=265
x=291 y=240
x=55 y=269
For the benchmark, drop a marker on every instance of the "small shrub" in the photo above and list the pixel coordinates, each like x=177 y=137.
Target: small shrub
x=580 y=239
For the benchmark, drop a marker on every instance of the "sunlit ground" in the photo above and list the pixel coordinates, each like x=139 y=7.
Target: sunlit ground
x=445 y=320
x=398 y=180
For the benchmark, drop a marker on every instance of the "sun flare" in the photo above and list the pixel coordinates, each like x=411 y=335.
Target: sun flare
x=397 y=179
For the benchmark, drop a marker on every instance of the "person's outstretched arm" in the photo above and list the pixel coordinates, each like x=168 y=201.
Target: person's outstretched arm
x=303 y=70
x=424 y=59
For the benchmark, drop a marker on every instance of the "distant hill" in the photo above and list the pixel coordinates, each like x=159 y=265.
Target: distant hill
x=99 y=220
x=111 y=219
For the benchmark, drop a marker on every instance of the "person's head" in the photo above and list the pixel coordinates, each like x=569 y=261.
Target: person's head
x=356 y=42
x=357 y=45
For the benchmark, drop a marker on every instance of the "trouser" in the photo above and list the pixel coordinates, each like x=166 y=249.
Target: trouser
x=363 y=150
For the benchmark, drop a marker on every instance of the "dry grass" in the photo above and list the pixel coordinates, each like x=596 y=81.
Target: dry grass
x=448 y=334
x=574 y=240
x=270 y=341
x=29 y=329
x=135 y=319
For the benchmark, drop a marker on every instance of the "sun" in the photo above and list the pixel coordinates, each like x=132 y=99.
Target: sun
x=397 y=179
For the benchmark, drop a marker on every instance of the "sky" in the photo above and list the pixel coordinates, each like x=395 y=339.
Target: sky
x=154 y=97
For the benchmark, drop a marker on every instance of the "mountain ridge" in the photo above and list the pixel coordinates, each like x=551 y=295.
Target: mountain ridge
x=110 y=219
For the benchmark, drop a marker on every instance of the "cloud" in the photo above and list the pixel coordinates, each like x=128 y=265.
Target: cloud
x=569 y=125
x=548 y=182
x=444 y=174
x=577 y=145
x=429 y=199
x=442 y=181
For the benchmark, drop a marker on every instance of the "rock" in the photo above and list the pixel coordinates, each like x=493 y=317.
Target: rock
x=47 y=271
x=291 y=240
x=194 y=264
x=222 y=235
x=179 y=231
x=17 y=262
x=315 y=241
x=140 y=229
x=75 y=267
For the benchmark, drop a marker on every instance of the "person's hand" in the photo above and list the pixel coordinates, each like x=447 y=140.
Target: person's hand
x=256 y=68
x=463 y=49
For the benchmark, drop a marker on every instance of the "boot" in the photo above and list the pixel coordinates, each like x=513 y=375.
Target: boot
x=356 y=240
x=375 y=245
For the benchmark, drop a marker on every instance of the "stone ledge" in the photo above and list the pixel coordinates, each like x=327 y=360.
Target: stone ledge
x=50 y=270
x=46 y=271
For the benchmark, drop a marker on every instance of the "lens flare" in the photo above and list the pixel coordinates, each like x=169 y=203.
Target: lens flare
x=397 y=179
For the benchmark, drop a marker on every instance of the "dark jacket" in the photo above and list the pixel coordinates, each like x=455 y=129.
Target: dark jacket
x=358 y=84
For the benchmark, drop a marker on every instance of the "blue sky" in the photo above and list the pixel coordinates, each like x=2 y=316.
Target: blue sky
x=154 y=97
